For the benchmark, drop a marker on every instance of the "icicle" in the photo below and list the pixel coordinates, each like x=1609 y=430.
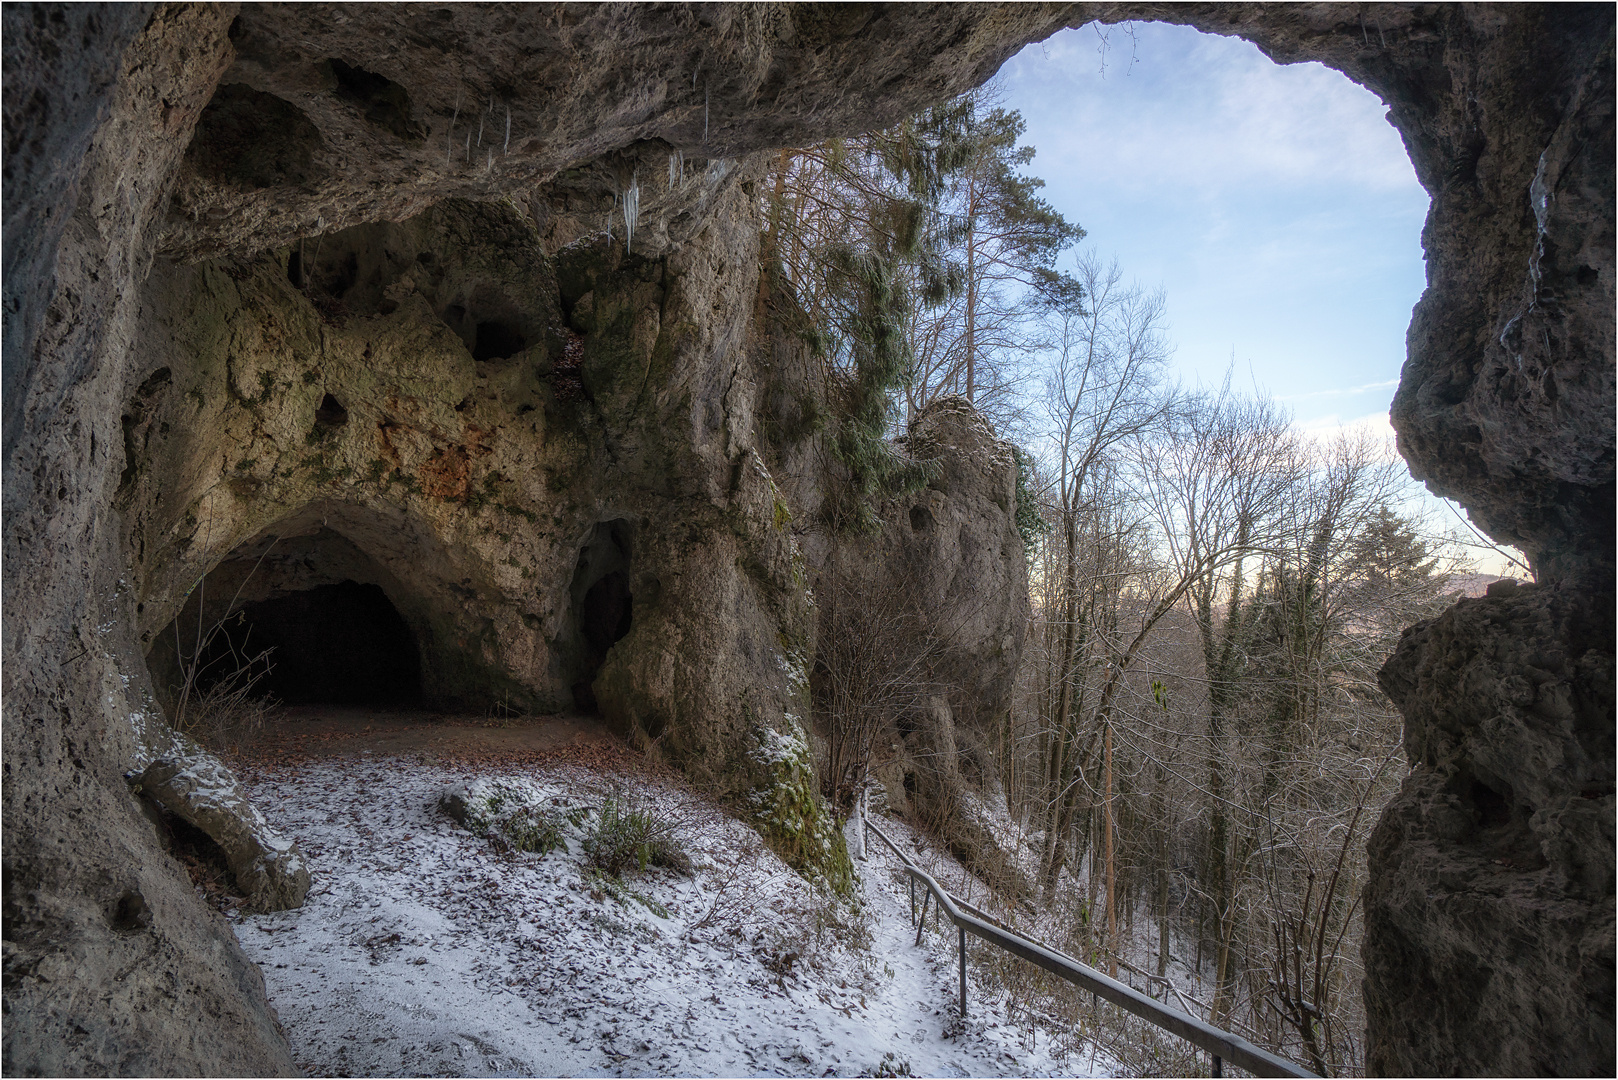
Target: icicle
x=469 y=147
x=704 y=112
x=631 y=209
x=507 y=148
x=480 y=131
x=676 y=169
x=488 y=169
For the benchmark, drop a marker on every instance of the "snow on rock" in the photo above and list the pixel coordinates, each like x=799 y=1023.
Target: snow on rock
x=429 y=950
x=192 y=784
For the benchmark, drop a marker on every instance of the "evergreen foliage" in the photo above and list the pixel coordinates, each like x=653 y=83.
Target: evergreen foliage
x=1031 y=524
x=896 y=241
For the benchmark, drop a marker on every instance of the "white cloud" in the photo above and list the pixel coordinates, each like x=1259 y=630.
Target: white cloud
x=1197 y=111
x=1386 y=384
x=1375 y=427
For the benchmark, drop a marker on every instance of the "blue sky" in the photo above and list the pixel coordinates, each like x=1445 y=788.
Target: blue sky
x=1274 y=205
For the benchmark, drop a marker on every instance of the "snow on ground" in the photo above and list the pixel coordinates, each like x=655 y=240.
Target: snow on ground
x=422 y=950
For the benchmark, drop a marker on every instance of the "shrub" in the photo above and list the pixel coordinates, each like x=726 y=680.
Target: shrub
x=227 y=714
x=533 y=829
x=630 y=835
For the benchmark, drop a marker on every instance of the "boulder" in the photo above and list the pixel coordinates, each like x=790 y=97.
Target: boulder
x=198 y=788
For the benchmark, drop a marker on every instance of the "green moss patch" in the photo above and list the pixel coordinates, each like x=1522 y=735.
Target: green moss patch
x=787 y=811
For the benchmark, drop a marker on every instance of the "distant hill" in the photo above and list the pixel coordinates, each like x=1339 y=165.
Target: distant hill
x=1470 y=584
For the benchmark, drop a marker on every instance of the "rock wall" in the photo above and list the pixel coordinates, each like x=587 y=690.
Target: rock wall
x=241 y=197
x=936 y=603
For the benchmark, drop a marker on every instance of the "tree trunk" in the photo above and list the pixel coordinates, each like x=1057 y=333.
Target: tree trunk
x=1112 y=910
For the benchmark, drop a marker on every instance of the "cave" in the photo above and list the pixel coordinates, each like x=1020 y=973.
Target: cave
x=339 y=644
x=603 y=606
x=489 y=322
x=1505 y=404
x=301 y=615
x=493 y=340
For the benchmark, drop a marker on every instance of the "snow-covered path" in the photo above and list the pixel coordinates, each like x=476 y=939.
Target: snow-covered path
x=422 y=951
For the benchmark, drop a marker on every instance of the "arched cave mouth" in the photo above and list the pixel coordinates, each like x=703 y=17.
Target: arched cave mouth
x=338 y=644
x=603 y=607
x=298 y=620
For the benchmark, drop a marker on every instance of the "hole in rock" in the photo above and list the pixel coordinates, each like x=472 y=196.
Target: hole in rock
x=336 y=277
x=921 y=518
x=331 y=413
x=603 y=606
x=496 y=341
x=204 y=860
x=255 y=140
x=341 y=644
x=489 y=322
x=384 y=102
x=1493 y=808
x=354 y=267
x=130 y=913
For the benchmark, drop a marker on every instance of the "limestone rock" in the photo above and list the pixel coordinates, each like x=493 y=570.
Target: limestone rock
x=1496 y=859
x=947 y=573
x=200 y=789
x=225 y=140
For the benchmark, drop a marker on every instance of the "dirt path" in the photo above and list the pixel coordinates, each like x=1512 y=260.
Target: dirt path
x=321 y=731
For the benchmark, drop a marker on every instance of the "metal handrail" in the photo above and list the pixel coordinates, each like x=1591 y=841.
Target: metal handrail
x=1223 y=1045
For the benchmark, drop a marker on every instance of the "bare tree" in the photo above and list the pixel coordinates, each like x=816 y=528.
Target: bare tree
x=874 y=660
x=1102 y=388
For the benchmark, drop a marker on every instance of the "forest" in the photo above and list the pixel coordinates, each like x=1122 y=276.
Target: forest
x=1199 y=747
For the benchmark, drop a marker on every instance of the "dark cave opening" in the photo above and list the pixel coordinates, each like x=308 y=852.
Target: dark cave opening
x=603 y=605
x=330 y=414
x=341 y=644
x=382 y=101
x=255 y=140
x=496 y=341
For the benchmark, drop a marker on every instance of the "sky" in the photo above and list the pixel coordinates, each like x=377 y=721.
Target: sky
x=1274 y=205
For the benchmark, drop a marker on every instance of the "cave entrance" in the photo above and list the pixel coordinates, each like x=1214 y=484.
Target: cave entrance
x=602 y=604
x=338 y=644
x=299 y=620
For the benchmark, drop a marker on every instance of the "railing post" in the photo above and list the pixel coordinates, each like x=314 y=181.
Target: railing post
x=921 y=923
x=962 y=929
x=1218 y=1066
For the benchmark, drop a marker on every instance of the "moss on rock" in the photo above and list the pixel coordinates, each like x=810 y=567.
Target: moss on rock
x=787 y=811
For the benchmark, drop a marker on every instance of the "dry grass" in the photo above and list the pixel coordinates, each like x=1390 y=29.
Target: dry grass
x=227 y=715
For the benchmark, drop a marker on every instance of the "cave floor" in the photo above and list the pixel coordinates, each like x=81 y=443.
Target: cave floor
x=423 y=950
x=299 y=732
